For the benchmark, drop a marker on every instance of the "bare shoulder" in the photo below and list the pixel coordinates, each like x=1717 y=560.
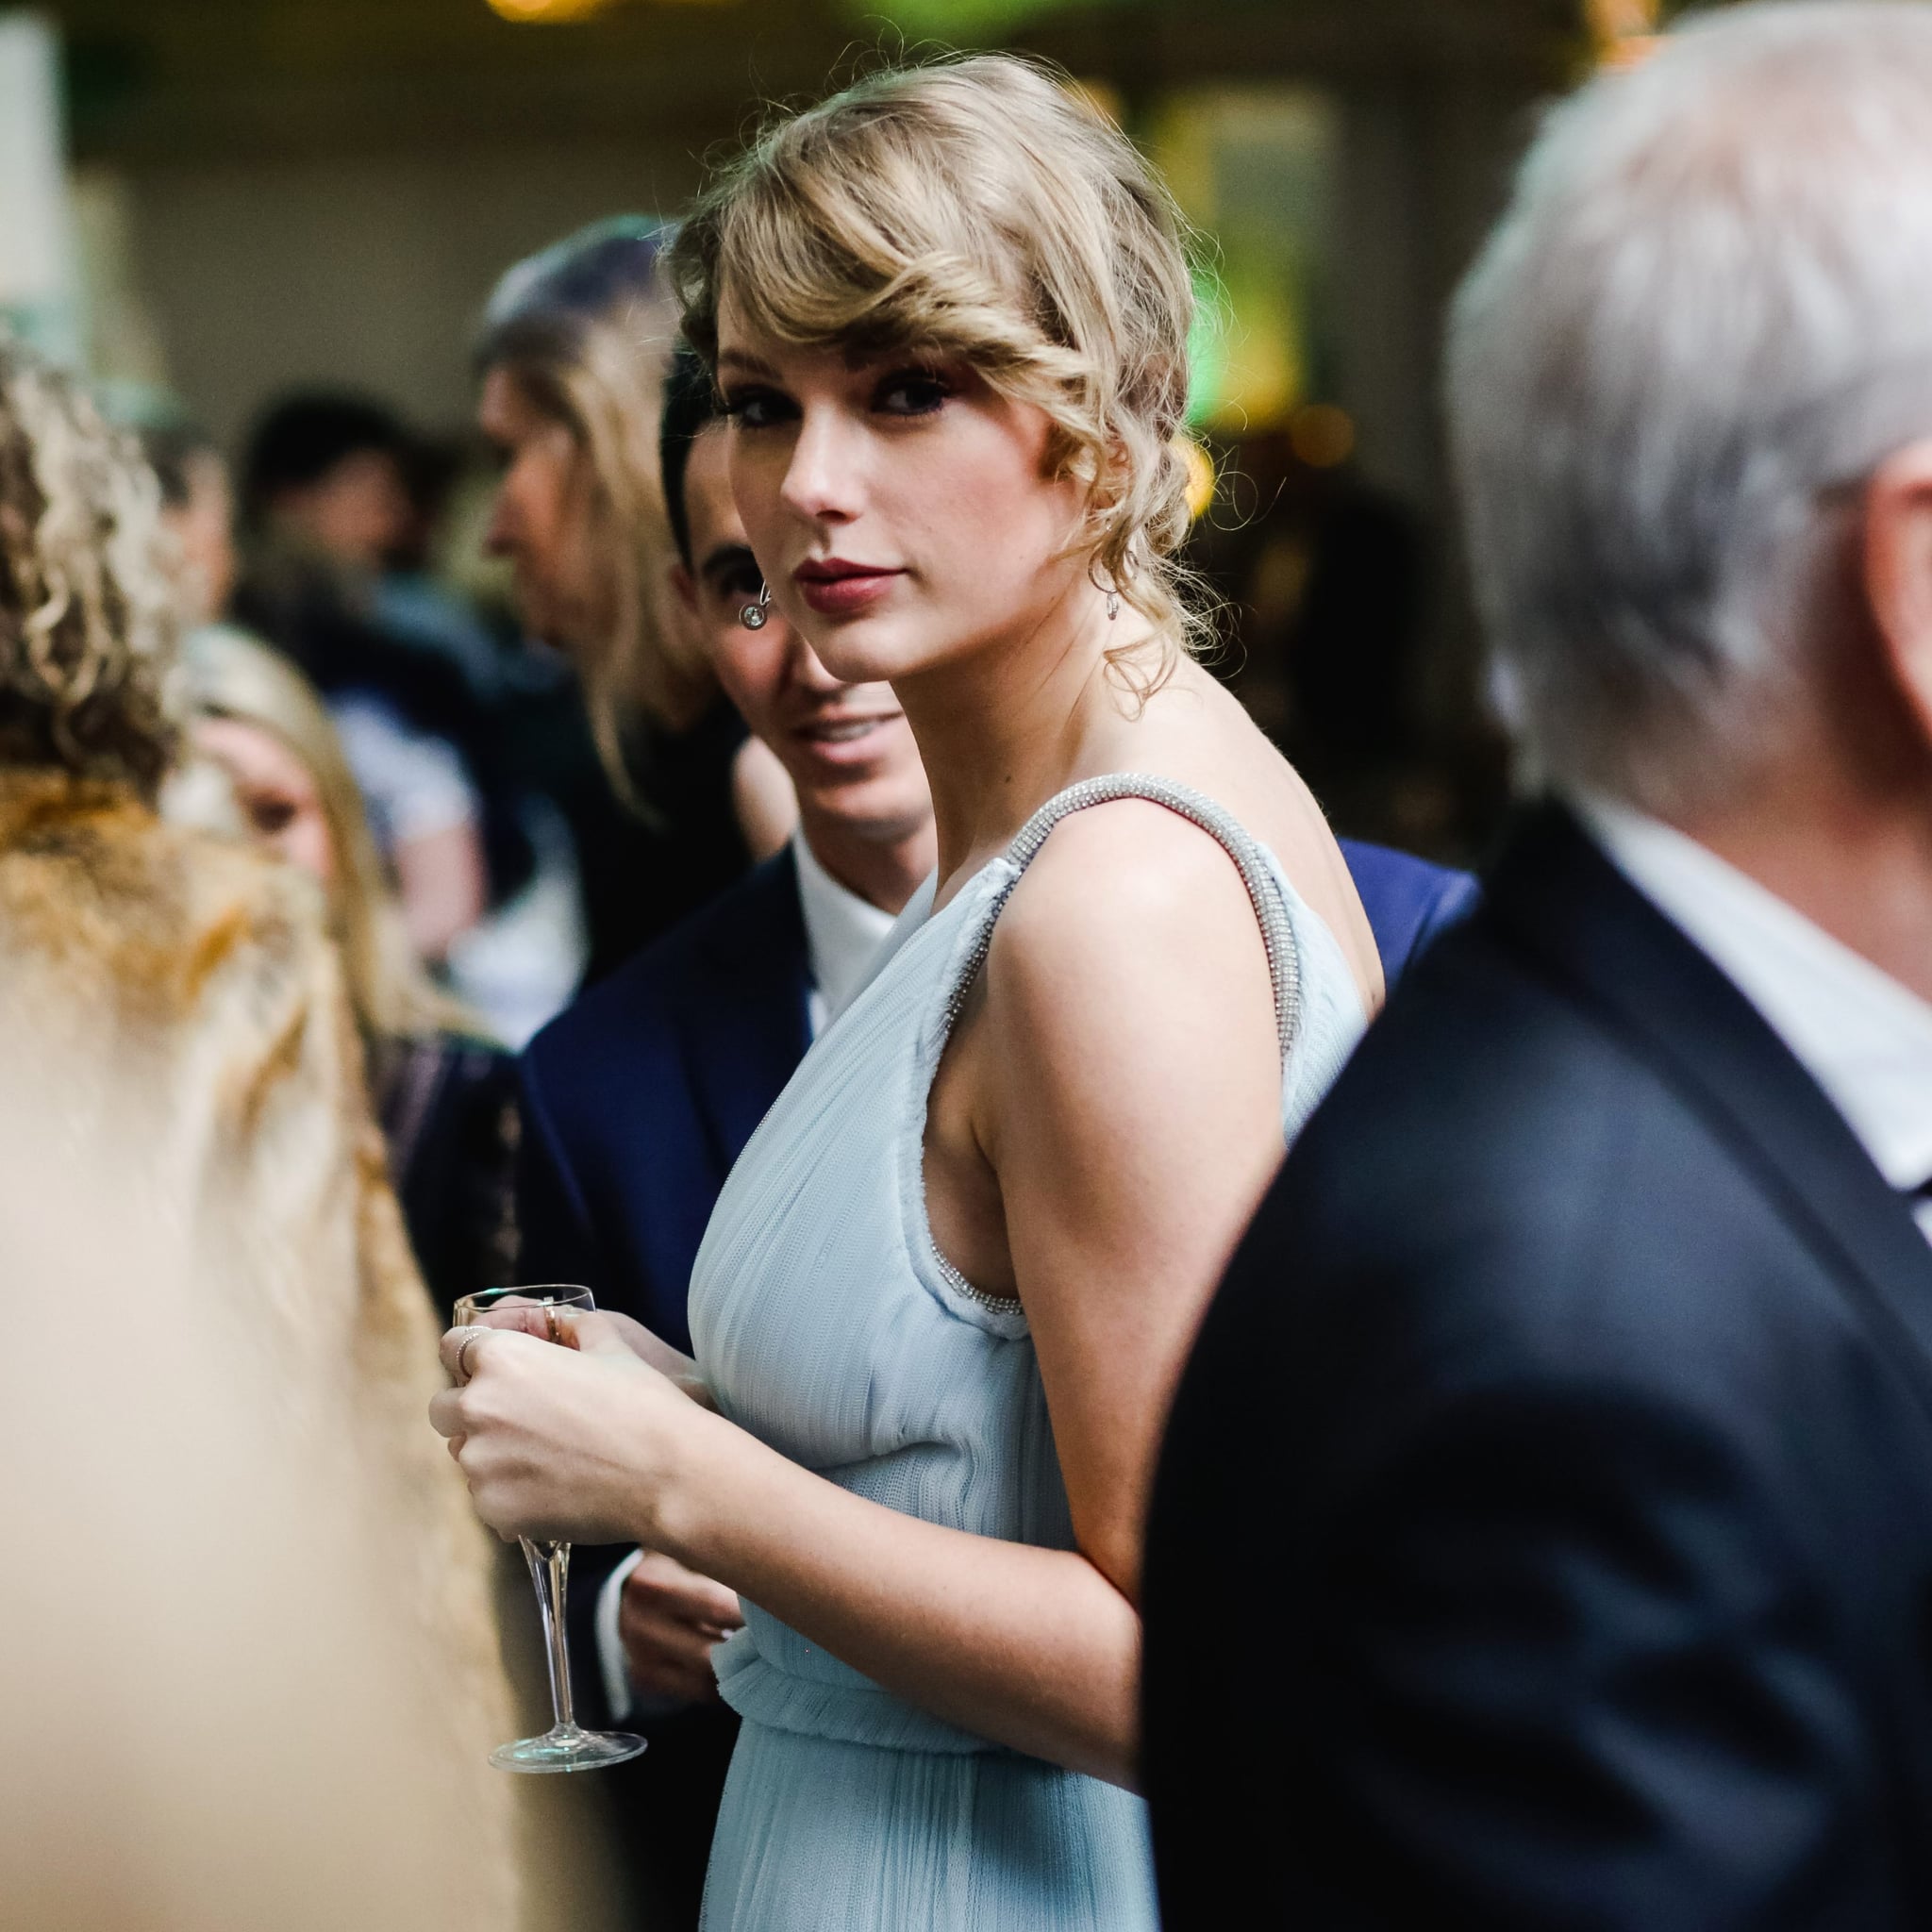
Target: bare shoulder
x=1131 y=900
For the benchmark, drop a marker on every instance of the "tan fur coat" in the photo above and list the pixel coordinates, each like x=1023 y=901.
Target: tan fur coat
x=173 y=993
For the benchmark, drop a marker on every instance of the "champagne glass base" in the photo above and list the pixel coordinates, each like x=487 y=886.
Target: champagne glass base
x=567 y=1748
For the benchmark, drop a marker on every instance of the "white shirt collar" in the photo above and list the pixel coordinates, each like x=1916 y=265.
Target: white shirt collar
x=842 y=933
x=1862 y=1036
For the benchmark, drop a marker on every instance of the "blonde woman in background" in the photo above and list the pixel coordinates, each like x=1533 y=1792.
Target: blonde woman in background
x=443 y=1093
x=571 y=362
x=948 y=1288
x=173 y=1022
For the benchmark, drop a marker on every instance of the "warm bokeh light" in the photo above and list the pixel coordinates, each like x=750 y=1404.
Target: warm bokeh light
x=1623 y=32
x=1200 y=476
x=1321 y=435
x=547 y=11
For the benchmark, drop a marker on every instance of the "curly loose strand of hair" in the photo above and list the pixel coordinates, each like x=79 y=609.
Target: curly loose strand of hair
x=87 y=608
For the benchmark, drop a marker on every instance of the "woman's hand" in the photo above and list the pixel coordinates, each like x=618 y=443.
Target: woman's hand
x=579 y=1444
x=647 y=1347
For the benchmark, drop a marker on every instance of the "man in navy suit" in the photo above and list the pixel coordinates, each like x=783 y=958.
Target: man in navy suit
x=1562 y=1432
x=638 y=1100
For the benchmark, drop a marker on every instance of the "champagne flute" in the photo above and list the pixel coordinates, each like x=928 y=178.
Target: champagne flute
x=566 y=1747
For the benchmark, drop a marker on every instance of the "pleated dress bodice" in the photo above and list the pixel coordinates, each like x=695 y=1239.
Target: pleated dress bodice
x=827 y=1324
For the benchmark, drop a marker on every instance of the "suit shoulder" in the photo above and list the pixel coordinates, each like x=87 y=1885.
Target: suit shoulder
x=642 y=999
x=1514 y=1186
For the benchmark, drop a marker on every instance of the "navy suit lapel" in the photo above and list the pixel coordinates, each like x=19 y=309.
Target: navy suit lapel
x=748 y=1026
x=1557 y=896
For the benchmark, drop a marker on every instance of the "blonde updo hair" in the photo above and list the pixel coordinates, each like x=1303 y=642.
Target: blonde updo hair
x=87 y=607
x=976 y=207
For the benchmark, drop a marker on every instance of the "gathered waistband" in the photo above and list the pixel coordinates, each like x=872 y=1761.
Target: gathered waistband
x=841 y=1704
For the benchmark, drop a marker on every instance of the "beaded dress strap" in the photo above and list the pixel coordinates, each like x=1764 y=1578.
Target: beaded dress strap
x=1278 y=935
x=1264 y=893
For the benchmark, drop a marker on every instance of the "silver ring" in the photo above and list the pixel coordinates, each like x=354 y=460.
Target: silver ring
x=470 y=1339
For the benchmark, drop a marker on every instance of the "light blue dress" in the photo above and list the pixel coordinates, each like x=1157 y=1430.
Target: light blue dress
x=829 y=1327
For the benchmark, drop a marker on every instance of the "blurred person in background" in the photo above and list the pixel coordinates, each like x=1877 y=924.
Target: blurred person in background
x=197 y=510
x=443 y=1093
x=1565 y=1421
x=1327 y=578
x=216 y=1720
x=173 y=1022
x=325 y=502
x=641 y=1097
x=571 y=363
x=334 y=502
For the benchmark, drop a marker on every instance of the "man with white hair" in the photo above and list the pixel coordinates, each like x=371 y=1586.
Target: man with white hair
x=1561 y=1440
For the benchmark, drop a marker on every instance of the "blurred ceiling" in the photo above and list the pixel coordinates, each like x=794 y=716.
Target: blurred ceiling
x=187 y=79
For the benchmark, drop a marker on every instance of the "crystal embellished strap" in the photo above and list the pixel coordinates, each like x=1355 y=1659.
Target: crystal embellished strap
x=1277 y=936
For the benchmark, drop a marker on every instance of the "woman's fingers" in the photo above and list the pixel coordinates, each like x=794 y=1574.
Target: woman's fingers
x=659 y=1354
x=590 y=1333
x=533 y=1427
x=459 y=1349
x=446 y=1415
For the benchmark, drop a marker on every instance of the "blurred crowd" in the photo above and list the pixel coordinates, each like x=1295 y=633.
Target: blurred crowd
x=501 y=798
x=1553 y=1423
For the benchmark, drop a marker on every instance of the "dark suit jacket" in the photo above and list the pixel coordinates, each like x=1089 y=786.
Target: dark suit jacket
x=638 y=1099
x=636 y=1102
x=1544 y=1534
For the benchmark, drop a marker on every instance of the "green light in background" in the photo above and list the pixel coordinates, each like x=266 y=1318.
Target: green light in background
x=1251 y=167
x=970 y=21
x=1207 y=350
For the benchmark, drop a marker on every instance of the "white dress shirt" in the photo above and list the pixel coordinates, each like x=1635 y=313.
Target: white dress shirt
x=1863 y=1037
x=843 y=932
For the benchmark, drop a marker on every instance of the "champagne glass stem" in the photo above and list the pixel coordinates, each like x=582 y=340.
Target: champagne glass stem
x=550 y=1572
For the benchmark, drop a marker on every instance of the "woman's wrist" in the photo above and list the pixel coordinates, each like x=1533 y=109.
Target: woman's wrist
x=679 y=1503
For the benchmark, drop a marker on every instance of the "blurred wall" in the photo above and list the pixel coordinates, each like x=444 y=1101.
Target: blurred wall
x=324 y=191
x=328 y=188
x=358 y=269
x=36 y=253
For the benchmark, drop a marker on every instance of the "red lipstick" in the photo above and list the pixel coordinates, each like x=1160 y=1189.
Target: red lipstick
x=837 y=587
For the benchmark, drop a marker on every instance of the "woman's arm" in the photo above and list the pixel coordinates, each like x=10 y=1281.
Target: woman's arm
x=1130 y=1105
x=1124 y=1081
x=1031 y=1648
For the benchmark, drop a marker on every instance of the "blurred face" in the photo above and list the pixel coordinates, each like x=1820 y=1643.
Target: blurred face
x=204 y=527
x=541 y=520
x=360 y=512
x=276 y=796
x=847 y=747
x=901 y=507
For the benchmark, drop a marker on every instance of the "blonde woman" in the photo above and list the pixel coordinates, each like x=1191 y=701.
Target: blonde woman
x=173 y=1022
x=950 y=1284
x=443 y=1091
x=571 y=362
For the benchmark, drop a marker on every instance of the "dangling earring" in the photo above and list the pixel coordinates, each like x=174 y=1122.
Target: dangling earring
x=1113 y=606
x=753 y=616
